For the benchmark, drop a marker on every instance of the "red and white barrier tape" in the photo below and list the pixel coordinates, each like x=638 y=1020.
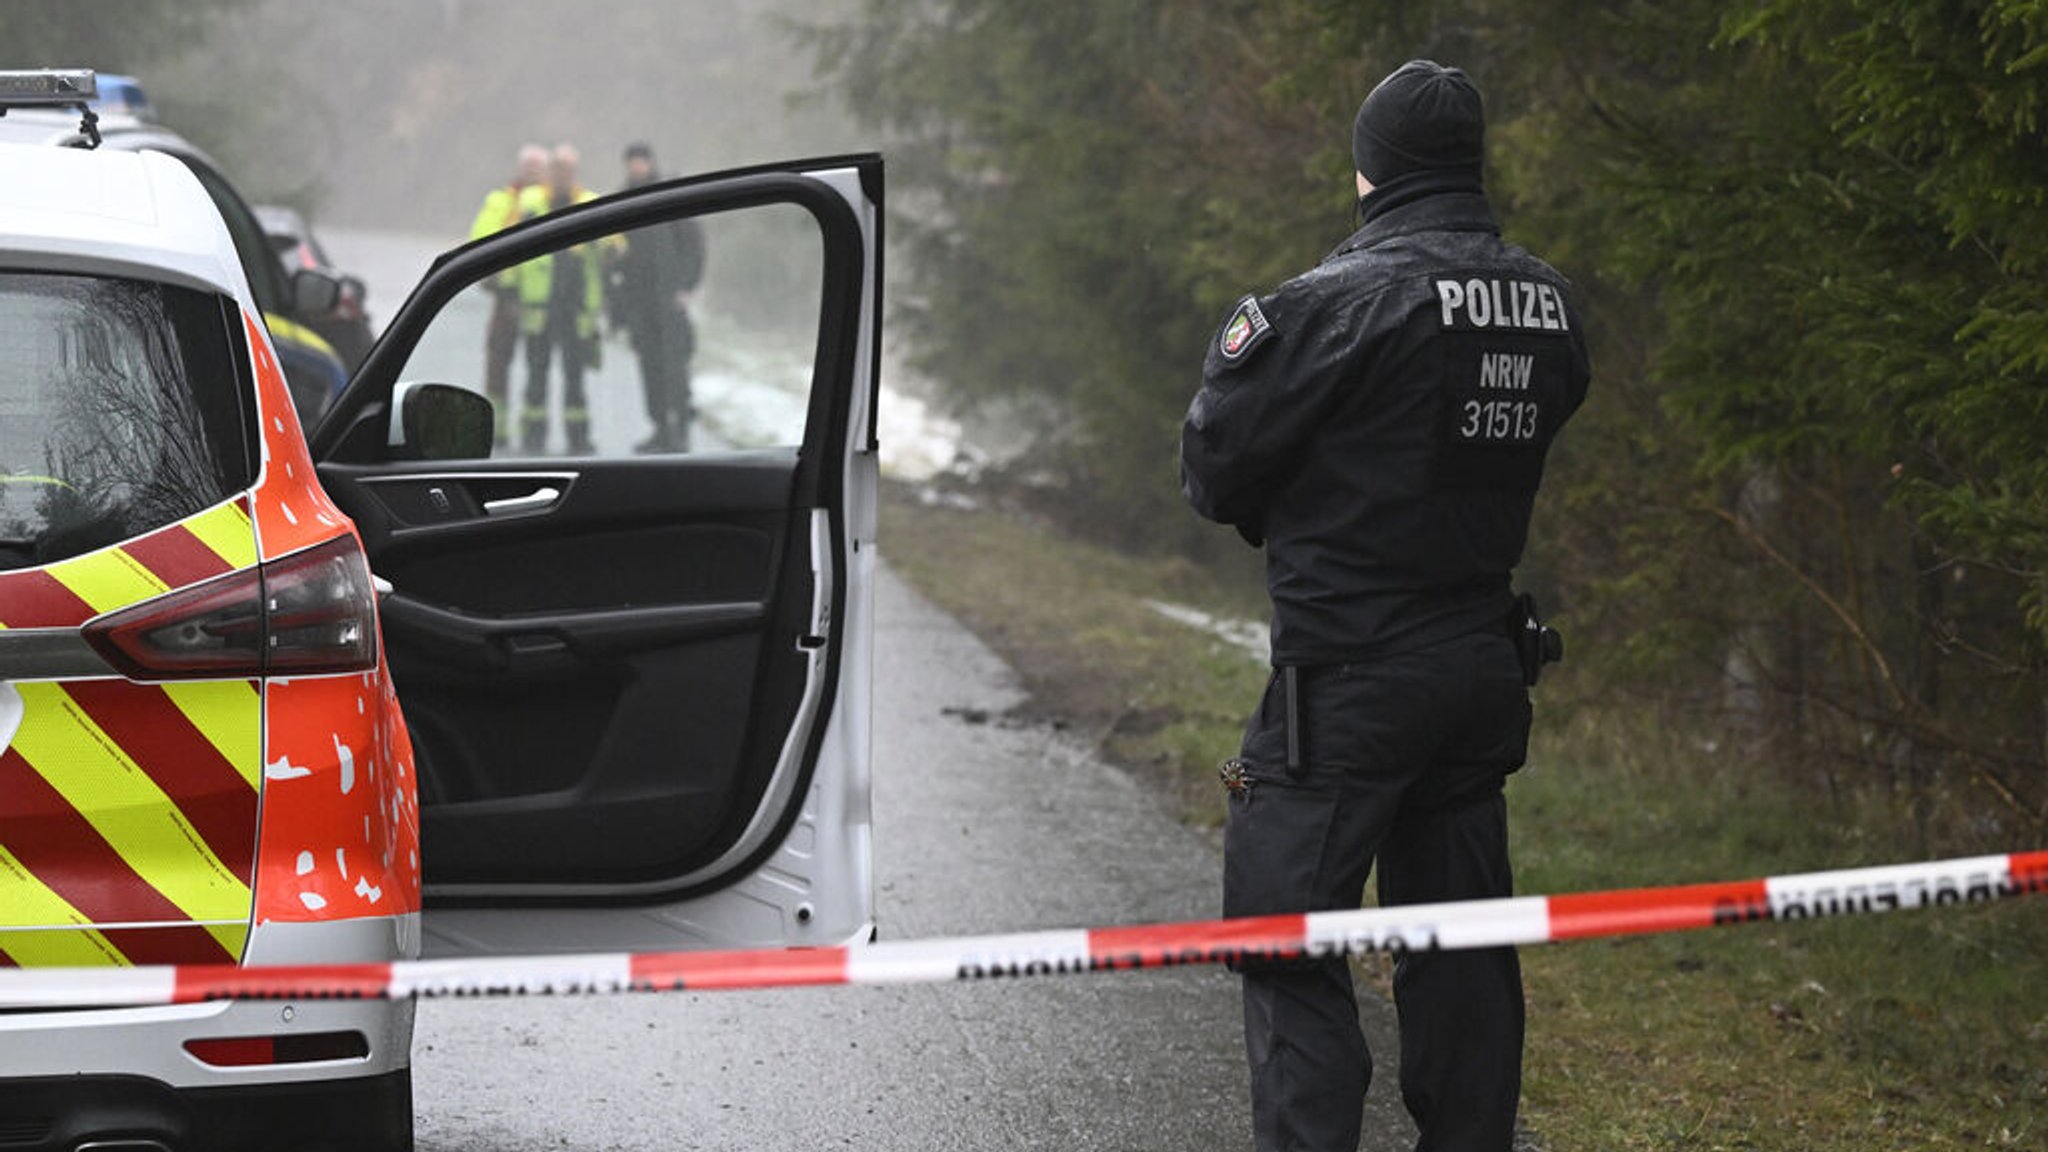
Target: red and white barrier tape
x=1472 y=924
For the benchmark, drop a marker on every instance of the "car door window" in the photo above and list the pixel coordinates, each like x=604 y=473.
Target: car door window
x=690 y=336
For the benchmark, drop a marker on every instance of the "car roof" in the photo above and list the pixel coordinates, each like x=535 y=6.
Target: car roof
x=118 y=131
x=58 y=125
x=112 y=212
x=279 y=220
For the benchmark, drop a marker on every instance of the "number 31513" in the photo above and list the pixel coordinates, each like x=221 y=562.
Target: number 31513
x=1511 y=420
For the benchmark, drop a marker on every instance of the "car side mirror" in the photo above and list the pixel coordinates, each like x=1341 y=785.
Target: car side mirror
x=315 y=292
x=443 y=422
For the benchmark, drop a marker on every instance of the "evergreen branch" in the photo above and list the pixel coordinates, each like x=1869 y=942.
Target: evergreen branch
x=1846 y=618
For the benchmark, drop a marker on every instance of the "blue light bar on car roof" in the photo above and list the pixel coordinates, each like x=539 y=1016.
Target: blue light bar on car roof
x=48 y=87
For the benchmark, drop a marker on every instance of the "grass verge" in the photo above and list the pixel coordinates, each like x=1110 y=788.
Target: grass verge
x=1918 y=1030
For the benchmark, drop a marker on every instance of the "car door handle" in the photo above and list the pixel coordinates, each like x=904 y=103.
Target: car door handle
x=531 y=502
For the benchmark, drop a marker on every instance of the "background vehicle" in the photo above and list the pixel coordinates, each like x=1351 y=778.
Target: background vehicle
x=347 y=327
x=635 y=689
x=122 y=95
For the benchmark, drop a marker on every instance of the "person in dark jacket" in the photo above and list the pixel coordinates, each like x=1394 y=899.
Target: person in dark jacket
x=656 y=273
x=1379 y=424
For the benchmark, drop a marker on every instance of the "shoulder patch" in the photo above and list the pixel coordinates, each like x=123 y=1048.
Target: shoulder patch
x=1246 y=329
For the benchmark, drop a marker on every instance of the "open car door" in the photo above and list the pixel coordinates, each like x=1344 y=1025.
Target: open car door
x=628 y=612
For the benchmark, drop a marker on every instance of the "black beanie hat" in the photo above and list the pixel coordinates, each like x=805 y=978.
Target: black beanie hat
x=1424 y=117
x=640 y=149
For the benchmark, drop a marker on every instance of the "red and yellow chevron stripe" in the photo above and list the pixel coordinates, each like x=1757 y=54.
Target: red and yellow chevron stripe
x=68 y=593
x=128 y=811
x=128 y=822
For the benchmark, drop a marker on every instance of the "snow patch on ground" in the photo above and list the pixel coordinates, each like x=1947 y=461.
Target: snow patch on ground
x=917 y=443
x=1249 y=636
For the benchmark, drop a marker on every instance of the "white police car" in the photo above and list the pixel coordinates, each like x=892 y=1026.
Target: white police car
x=600 y=701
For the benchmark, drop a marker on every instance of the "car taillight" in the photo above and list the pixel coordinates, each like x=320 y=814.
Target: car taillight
x=250 y=1051
x=312 y=611
x=319 y=611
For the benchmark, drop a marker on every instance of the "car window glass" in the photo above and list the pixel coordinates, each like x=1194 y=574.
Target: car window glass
x=692 y=336
x=120 y=412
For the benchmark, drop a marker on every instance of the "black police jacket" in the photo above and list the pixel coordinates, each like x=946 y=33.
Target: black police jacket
x=1381 y=422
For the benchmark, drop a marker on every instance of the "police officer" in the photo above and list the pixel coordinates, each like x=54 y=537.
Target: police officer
x=1379 y=424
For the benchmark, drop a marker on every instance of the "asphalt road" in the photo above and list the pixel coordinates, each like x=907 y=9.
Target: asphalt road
x=981 y=825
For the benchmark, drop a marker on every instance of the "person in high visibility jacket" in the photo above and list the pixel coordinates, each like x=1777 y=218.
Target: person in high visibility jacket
x=561 y=296
x=501 y=209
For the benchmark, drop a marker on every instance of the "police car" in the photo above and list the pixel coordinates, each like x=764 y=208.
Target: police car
x=269 y=697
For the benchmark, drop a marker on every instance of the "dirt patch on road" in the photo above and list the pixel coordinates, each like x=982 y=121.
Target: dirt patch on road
x=1160 y=697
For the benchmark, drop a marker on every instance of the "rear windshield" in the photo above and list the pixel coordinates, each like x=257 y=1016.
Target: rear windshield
x=121 y=411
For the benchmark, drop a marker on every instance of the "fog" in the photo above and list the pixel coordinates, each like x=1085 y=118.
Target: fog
x=401 y=113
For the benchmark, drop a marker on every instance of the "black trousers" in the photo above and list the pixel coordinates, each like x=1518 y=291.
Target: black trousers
x=664 y=340
x=501 y=340
x=1404 y=763
x=560 y=333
